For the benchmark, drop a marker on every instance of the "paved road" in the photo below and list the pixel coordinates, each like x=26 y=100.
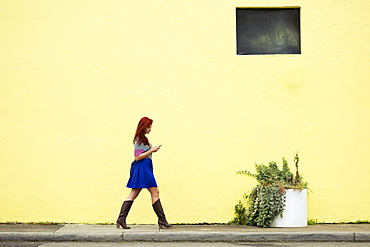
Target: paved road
x=182 y=244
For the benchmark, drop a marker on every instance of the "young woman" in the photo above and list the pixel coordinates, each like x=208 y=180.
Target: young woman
x=141 y=175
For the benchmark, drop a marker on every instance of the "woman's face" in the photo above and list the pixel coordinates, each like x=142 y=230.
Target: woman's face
x=147 y=130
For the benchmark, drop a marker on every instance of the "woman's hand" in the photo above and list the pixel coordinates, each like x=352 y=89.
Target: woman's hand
x=154 y=149
x=144 y=155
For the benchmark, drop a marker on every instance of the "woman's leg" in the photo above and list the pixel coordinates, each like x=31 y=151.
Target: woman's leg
x=126 y=206
x=158 y=209
x=154 y=192
x=133 y=194
x=125 y=209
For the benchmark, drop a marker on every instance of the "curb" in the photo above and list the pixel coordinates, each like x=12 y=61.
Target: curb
x=190 y=236
x=26 y=236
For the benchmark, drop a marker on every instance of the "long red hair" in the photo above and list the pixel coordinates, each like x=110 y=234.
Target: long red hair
x=140 y=137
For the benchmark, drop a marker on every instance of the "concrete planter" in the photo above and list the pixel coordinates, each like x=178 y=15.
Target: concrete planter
x=295 y=211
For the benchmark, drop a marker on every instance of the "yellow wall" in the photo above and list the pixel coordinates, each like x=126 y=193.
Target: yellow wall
x=76 y=76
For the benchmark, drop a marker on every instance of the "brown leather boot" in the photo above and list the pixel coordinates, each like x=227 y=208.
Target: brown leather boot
x=158 y=209
x=121 y=221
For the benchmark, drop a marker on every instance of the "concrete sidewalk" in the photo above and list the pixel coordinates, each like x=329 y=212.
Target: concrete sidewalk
x=202 y=233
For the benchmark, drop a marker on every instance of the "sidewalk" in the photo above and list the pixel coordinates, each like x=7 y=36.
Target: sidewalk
x=211 y=233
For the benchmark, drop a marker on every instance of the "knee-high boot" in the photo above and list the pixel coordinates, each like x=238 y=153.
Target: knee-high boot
x=121 y=221
x=158 y=209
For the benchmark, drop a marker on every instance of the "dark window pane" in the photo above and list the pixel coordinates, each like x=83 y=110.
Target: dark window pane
x=268 y=31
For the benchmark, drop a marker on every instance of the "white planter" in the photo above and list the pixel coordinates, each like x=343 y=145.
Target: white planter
x=295 y=211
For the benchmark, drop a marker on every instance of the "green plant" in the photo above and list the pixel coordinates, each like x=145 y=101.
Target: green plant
x=32 y=223
x=267 y=199
x=362 y=222
x=240 y=216
x=312 y=222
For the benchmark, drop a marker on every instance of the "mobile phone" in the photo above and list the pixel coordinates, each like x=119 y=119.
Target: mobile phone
x=160 y=146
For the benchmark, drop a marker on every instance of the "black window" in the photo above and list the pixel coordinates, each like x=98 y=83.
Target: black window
x=268 y=31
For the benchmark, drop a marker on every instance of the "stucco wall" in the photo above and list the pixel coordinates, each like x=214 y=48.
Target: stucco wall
x=76 y=77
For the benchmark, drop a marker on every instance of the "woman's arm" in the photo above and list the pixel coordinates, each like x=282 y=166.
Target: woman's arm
x=144 y=155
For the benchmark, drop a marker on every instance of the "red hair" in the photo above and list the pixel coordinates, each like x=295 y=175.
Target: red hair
x=140 y=137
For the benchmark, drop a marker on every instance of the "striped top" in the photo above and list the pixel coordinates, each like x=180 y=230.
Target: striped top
x=141 y=148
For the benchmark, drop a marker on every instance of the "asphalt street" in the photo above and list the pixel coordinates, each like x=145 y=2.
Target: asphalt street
x=182 y=244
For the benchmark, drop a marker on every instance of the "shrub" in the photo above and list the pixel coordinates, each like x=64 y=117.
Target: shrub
x=267 y=199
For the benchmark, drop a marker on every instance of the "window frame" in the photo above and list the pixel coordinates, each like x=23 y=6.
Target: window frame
x=294 y=33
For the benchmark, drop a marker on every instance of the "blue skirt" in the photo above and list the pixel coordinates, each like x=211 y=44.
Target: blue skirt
x=141 y=175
